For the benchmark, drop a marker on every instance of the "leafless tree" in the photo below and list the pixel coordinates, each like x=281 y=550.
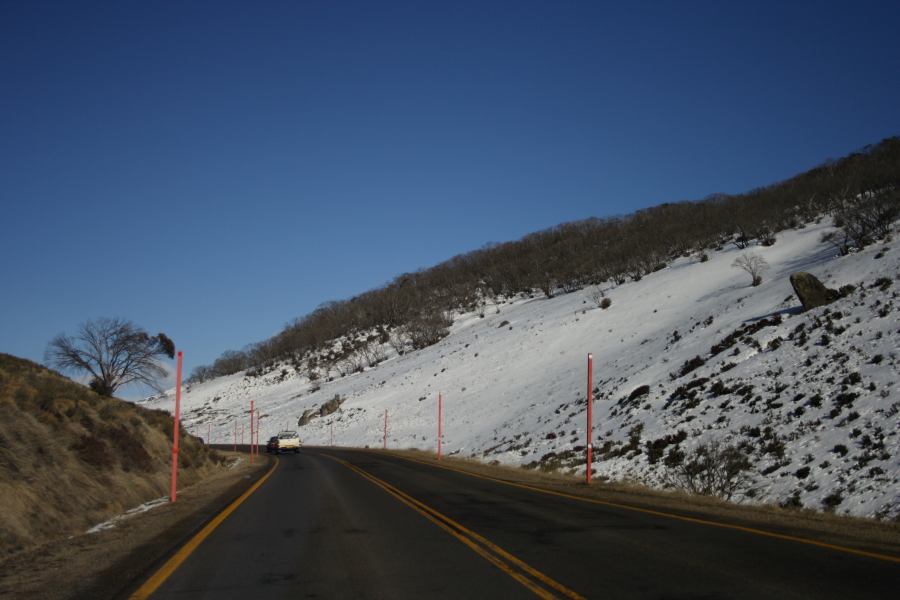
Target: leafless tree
x=596 y=294
x=356 y=362
x=753 y=264
x=866 y=218
x=373 y=352
x=429 y=328
x=839 y=239
x=399 y=340
x=114 y=352
x=764 y=234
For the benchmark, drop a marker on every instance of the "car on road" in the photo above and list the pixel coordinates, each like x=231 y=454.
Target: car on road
x=272 y=445
x=287 y=441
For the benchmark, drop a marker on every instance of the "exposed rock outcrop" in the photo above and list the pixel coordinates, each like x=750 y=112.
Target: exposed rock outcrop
x=812 y=292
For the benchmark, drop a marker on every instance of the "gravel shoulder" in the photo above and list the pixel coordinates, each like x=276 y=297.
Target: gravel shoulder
x=113 y=562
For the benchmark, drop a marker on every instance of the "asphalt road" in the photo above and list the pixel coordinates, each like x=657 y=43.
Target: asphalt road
x=333 y=523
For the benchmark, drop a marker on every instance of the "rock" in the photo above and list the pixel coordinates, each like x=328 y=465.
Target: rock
x=811 y=291
x=639 y=392
x=306 y=418
x=331 y=406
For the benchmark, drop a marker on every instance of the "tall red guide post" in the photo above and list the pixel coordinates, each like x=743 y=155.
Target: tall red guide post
x=440 y=436
x=175 y=430
x=590 y=421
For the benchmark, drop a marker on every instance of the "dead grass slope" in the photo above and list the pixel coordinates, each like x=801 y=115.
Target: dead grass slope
x=70 y=459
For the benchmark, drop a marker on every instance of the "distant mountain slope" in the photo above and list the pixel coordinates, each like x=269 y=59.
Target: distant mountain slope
x=70 y=459
x=812 y=398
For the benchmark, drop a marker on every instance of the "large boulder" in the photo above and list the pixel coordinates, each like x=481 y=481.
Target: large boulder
x=811 y=291
x=331 y=406
x=308 y=416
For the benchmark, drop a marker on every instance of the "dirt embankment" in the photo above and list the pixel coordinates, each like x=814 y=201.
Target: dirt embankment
x=70 y=459
x=113 y=562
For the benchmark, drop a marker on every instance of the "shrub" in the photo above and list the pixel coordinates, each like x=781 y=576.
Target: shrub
x=690 y=365
x=753 y=264
x=712 y=469
x=596 y=294
x=882 y=283
x=605 y=303
x=428 y=329
x=792 y=501
x=94 y=452
x=655 y=448
x=129 y=447
x=831 y=501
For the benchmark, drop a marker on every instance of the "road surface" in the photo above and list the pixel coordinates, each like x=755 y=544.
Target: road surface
x=331 y=523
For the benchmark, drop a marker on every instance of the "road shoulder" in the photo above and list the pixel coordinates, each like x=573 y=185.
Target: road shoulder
x=111 y=563
x=863 y=535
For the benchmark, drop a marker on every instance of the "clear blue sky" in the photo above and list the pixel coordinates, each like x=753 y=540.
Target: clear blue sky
x=215 y=169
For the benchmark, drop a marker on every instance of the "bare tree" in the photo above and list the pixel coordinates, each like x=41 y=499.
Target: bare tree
x=398 y=340
x=429 y=328
x=839 y=239
x=373 y=352
x=753 y=264
x=864 y=219
x=114 y=352
x=596 y=294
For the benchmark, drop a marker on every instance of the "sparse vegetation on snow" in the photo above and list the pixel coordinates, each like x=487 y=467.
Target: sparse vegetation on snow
x=687 y=360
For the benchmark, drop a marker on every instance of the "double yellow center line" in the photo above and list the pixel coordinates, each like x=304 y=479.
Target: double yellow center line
x=525 y=574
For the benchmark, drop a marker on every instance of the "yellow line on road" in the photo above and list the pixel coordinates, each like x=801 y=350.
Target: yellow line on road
x=469 y=538
x=165 y=571
x=648 y=511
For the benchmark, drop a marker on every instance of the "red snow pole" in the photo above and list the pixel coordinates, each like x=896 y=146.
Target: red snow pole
x=590 y=421
x=209 y=433
x=175 y=431
x=251 y=432
x=385 y=429
x=440 y=401
x=235 y=437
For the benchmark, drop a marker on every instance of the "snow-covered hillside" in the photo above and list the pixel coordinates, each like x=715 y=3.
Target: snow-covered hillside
x=813 y=397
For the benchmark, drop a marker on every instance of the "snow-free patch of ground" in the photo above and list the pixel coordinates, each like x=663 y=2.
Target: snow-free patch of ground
x=812 y=396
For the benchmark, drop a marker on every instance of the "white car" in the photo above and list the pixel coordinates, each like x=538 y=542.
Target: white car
x=287 y=441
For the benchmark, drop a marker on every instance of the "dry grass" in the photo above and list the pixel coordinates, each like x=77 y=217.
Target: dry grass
x=70 y=459
x=867 y=535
